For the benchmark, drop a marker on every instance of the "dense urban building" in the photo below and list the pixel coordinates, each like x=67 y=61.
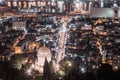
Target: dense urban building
x=59 y=40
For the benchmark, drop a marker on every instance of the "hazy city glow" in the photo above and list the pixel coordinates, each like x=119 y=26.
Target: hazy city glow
x=59 y=39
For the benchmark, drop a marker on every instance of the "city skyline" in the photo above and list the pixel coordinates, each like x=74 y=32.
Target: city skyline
x=59 y=40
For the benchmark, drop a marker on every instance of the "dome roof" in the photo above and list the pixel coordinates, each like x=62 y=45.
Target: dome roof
x=44 y=51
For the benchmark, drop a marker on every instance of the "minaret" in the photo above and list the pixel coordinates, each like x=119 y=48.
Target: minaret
x=116 y=8
x=101 y=3
x=90 y=5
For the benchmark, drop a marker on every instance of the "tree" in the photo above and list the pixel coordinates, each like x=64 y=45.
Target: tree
x=105 y=72
x=51 y=69
x=46 y=69
x=65 y=69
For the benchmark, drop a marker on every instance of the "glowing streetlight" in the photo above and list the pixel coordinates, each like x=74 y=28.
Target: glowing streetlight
x=83 y=70
x=29 y=72
x=93 y=66
x=115 y=68
x=69 y=63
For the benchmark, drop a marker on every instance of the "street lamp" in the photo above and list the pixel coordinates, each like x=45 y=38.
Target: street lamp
x=28 y=71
